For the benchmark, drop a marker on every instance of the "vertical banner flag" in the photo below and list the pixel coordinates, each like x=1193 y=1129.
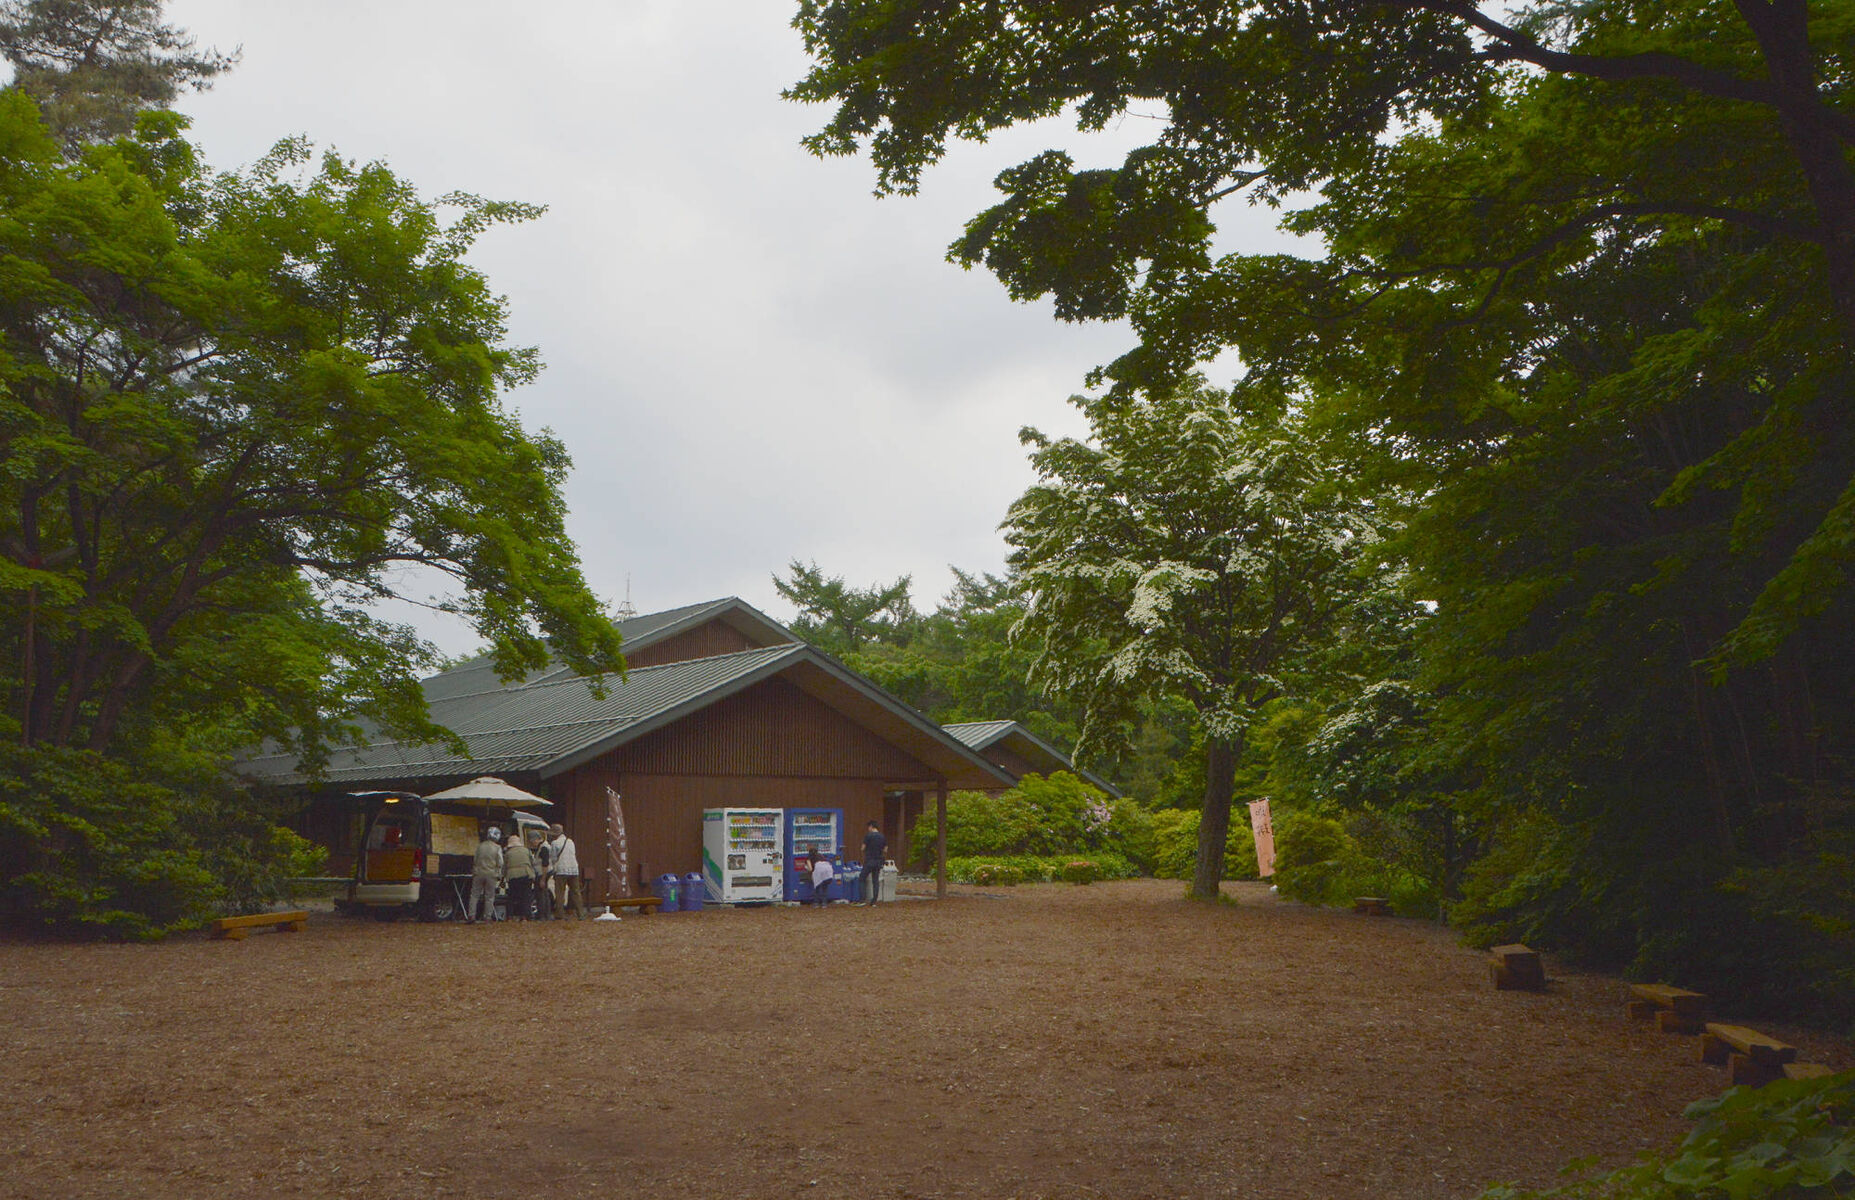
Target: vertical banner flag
x=1265 y=837
x=617 y=861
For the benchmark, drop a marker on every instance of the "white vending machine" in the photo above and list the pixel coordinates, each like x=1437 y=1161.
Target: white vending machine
x=743 y=855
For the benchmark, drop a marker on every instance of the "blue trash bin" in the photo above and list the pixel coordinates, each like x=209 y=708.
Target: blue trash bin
x=694 y=892
x=666 y=890
x=851 y=882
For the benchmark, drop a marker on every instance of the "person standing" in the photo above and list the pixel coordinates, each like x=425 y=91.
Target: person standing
x=485 y=874
x=539 y=847
x=519 y=869
x=875 y=846
x=566 y=881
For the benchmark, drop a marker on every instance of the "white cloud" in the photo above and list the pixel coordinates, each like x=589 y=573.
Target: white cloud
x=750 y=358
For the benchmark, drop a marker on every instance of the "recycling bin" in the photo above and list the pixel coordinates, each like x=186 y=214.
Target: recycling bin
x=666 y=889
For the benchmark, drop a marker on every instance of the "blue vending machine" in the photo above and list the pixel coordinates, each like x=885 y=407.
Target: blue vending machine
x=808 y=830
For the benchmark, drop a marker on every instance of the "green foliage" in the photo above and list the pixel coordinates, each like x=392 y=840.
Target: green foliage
x=1789 y=1140
x=1079 y=871
x=1033 y=868
x=1577 y=306
x=1058 y=815
x=1189 y=550
x=93 y=65
x=1175 y=846
x=989 y=874
x=1318 y=860
x=837 y=617
x=234 y=407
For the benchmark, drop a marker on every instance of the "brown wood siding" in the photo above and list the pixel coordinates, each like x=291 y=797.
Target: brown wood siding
x=772 y=728
x=704 y=641
x=771 y=746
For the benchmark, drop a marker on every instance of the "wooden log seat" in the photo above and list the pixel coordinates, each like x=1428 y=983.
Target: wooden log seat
x=1751 y=1058
x=1516 y=968
x=1804 y=1070
x=1675 y=1010
x=237 y=929
x=1372 y=906
x=644 y=904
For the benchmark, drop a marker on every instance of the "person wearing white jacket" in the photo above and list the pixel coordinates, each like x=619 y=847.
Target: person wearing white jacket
x=565 y=858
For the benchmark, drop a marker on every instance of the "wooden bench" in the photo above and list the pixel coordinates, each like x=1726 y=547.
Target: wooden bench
x=1750 y=1056
x=237 y=929
x=645 y=904
x=1516 y=968
x=1800 y=1070
x=1676 y=1010
x=1372 y=906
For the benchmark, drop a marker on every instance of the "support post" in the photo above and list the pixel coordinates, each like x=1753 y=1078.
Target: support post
x=940 y=840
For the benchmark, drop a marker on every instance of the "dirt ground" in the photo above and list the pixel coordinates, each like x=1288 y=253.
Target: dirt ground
x=1052 y=1041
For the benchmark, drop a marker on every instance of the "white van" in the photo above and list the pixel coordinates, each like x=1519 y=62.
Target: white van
x=416 y=855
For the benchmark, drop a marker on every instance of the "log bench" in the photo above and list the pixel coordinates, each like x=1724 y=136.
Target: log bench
x=1372 y=906
x=237 y=929
x=644 y=904
x=1750 y=1056
x=1675 y=1010
x=1516 y=968
x=1802 y=1070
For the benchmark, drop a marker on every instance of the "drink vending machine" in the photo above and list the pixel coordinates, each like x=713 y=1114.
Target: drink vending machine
x=808 y=830
x=742 y=853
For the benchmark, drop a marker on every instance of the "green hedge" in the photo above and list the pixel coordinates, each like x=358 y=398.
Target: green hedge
x=1033 y=868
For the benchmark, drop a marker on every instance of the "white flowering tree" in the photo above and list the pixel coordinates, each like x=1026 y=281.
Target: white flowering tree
x=1185 y=549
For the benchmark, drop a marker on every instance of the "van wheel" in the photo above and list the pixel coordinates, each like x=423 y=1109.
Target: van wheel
x=439 y=908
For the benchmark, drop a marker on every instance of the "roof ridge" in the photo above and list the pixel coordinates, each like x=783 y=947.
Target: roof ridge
x=551 y=681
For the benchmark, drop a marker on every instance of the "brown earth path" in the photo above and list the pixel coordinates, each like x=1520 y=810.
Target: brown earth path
x=1108 y=1041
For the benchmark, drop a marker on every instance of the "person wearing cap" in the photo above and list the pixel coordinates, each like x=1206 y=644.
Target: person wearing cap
x=566 y=873
x=485 y=874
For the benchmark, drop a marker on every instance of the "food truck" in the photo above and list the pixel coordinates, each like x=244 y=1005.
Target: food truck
x=417 y=852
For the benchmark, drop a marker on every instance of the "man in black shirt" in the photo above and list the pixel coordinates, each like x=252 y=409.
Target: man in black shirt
x=874 y=846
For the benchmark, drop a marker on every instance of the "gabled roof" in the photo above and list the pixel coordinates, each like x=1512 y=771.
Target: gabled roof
x=479 y=674
x=983 y=735
x=552 y=722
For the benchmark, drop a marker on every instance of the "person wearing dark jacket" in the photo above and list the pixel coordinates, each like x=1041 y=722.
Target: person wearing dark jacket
x=874 y=847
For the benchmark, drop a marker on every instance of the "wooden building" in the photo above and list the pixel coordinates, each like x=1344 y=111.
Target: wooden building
x=721 y=707
x=1019 y=752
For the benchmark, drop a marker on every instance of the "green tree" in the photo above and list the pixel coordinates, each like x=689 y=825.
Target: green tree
x=234 y=409
x=94 y=65
x=1185 y=551
x=841 y=618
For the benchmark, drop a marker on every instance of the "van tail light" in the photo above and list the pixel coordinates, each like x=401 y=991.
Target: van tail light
x=418 y=863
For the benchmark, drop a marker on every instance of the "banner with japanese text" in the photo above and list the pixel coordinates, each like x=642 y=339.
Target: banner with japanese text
x=1265 y=837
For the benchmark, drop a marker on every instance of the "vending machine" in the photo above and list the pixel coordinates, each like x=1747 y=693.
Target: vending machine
x=808 y=830
x=742 y=851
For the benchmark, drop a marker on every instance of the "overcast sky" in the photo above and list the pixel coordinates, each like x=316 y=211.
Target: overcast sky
x=750 y=358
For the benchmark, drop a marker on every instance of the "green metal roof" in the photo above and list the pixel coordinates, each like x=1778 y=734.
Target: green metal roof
x=981 y=735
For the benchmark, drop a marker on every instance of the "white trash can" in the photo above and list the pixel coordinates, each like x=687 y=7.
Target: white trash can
x=890 y=875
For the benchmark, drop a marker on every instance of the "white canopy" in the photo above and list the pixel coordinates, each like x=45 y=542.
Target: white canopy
x=487 y=791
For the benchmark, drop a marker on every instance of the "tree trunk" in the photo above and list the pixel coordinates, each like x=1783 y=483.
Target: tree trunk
x=1220 y=770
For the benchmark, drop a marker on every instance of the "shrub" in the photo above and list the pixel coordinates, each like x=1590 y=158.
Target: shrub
x=1059 y=815
x=1080 y=871
x=997 y=875
x=1318 y=861
x=1031 y=868
x=1175 y=842
x=1784 y=1139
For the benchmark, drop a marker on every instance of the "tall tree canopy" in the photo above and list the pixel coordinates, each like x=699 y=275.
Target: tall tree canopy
x=94 y=65
x=235 y=410
x=1582 y=279
x=1185 y=550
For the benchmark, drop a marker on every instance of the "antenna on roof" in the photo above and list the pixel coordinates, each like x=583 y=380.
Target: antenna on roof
x=627 y=610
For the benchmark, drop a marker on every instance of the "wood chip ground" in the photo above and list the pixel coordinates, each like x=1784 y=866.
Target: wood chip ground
x=1045 y=1042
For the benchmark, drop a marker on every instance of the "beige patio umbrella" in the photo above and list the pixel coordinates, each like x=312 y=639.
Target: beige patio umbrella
x=487 y=791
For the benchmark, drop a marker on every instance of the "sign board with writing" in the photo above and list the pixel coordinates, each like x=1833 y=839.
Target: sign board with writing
x=1265 y=837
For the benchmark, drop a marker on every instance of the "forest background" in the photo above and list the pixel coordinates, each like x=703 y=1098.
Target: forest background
x=1512 y=567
